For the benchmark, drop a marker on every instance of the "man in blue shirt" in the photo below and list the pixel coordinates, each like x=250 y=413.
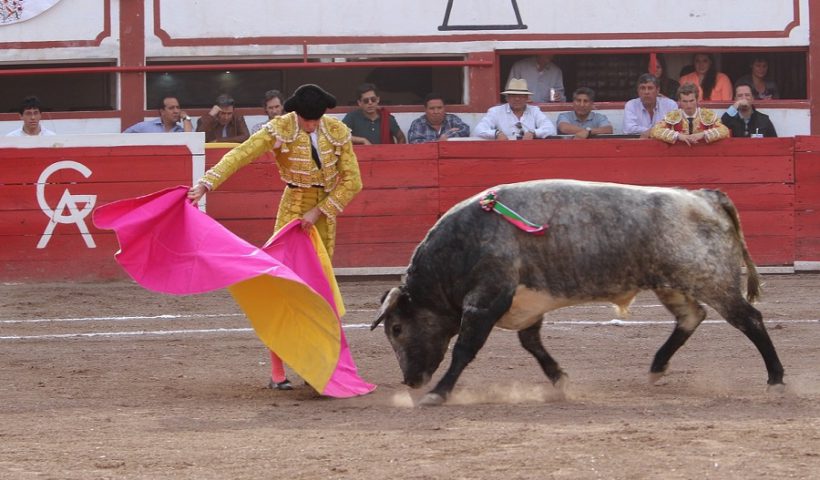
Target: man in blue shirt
x=169 y=119
x=436 y=124
x=582 y=121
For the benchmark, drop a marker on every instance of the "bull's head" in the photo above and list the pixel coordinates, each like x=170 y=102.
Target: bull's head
x=417 y=335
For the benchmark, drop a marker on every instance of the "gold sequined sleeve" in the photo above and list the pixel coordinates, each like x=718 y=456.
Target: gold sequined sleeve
x=349 y=184
x=241 y=155
x=662 y=132
x=718 y=132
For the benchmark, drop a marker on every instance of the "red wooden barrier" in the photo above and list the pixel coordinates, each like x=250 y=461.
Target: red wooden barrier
x=807 y=201
x=775 y=184
x=39 y=183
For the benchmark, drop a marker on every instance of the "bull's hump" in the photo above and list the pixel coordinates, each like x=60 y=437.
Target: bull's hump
x=528 y=306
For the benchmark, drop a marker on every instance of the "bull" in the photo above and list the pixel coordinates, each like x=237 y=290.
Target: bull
x=605 y=242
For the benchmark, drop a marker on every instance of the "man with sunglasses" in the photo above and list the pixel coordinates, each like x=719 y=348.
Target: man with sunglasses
x=368 y=124
x=515 y=120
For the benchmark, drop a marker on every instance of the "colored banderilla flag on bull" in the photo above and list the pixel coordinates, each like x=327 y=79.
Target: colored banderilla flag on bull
x=286 y=288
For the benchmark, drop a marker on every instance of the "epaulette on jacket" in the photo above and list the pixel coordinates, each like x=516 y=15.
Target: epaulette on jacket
x=708 y=117
x=284 y=128
x=674 y=117
x=336 y=132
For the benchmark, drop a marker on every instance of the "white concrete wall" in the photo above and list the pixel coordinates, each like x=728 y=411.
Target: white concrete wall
x=673 y=23
x=66 y=21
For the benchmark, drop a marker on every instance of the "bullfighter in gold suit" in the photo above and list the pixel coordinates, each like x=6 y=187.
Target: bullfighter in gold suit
x=316 y=161
x=690 y=123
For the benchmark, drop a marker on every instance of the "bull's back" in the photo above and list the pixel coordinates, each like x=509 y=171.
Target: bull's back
x=602 y=238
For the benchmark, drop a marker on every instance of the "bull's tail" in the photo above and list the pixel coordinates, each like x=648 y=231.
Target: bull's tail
x=752 y=278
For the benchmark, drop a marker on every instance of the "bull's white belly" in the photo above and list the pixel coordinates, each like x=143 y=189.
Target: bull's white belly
x=528 y=306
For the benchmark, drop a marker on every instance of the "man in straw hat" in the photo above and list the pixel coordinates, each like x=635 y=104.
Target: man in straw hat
x=515 y=120
x=316 y=161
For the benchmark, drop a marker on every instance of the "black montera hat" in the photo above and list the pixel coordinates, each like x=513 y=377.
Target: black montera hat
x=310 y=102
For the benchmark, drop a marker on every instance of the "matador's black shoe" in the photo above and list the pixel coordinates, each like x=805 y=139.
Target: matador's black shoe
x=283 y=385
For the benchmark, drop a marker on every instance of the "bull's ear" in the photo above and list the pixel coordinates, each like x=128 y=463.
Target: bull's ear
x=391 y=298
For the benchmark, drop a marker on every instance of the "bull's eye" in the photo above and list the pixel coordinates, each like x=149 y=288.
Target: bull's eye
x=395 y=330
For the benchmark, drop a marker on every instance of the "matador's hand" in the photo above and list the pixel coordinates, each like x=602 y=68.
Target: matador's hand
x=310 y=218
x=196 y=192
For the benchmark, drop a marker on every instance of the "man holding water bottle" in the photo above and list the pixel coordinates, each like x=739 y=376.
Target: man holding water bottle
x=743 y=119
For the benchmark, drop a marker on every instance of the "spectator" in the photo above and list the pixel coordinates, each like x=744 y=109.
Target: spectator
x=317 y=165
x=763 y=88
x=515 y=120
x=690 y=123
x=543 y=76
x=366 y=123
x=273 y=107
x=641 y=113
x=30 y=115
x=222 y=124
x=667 y=86
x=743 y=119
x=712 y=85
x=170 y=115
x=436 y=124
x=582 y=121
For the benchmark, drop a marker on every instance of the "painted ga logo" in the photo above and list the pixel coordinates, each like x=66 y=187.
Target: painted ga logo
x=67 y=210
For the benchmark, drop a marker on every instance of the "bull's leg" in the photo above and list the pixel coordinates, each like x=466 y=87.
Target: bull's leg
x=476 y=324
x=746 y=318
x=531 y=341
x=688 y=315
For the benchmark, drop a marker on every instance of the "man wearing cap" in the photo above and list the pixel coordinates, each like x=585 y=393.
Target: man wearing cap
x=515 y=120
x=315 y=158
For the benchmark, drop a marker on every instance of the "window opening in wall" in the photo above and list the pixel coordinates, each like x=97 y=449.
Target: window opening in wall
x=63 y=92
x=613 y=75
x=398 y=85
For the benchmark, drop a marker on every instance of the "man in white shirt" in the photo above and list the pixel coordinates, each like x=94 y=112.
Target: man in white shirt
x=31 y=116
x=515 y=120
x=641 y=113
x=544 y=78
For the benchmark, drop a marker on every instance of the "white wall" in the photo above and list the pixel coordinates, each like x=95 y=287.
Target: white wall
x=693 y=23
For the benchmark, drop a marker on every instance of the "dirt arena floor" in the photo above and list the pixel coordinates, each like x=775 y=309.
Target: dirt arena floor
x=107 y=380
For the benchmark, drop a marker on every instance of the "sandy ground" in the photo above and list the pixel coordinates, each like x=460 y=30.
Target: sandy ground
x=94 y=385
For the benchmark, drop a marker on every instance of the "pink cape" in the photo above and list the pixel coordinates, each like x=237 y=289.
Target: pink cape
x=286 y=288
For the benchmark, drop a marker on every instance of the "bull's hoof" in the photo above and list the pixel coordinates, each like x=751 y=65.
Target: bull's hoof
x=562 y=383
x=654 y=377
x=776 y=388
x=431 y=400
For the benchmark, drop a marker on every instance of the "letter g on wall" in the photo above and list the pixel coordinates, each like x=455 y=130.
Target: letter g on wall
x=67 y=202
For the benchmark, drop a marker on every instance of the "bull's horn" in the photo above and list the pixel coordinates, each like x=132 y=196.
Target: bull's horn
x=389 y=302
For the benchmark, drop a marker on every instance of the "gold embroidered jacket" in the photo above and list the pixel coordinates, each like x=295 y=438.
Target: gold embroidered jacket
x=339 y=175
x=675 y=123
